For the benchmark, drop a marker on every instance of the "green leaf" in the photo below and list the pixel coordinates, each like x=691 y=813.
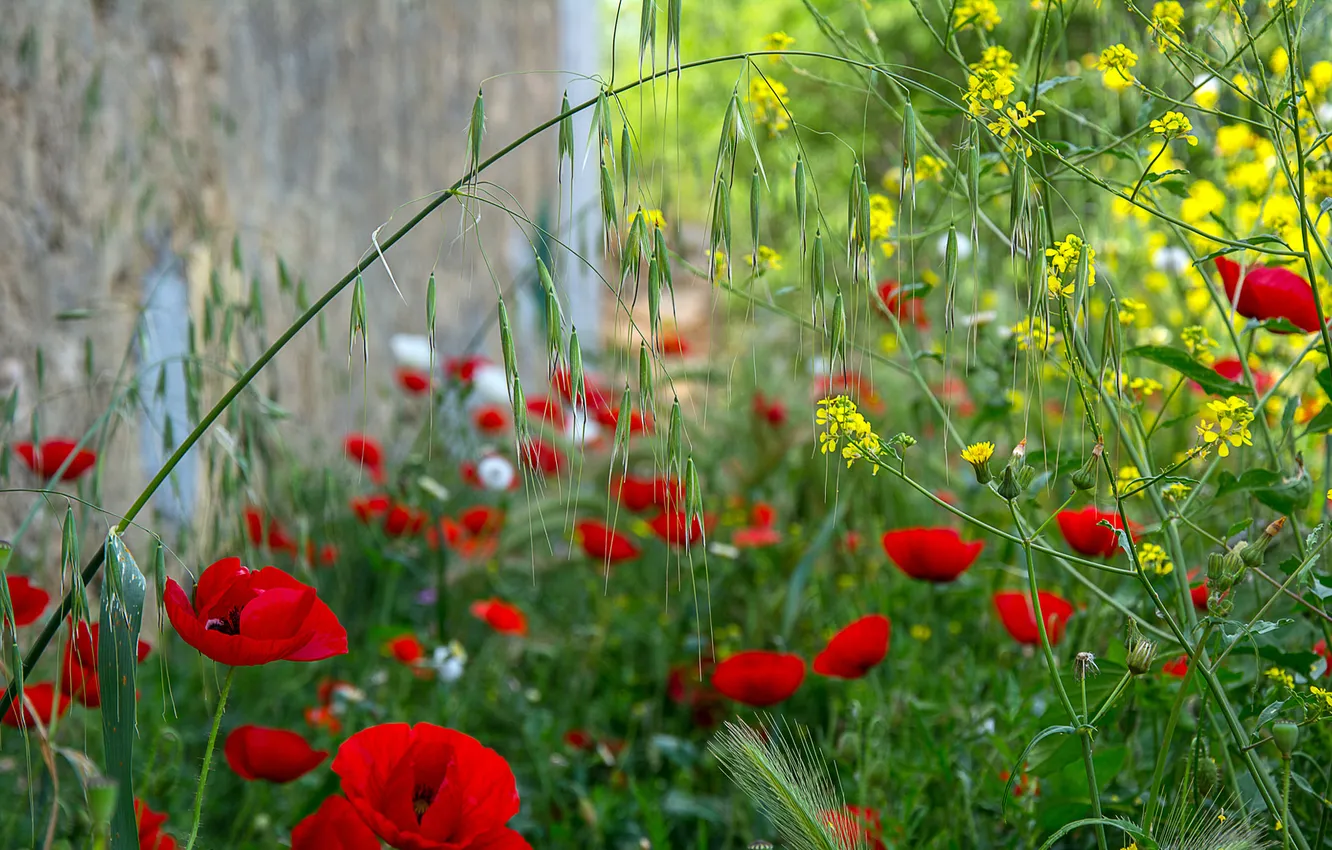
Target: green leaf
x=796 y=585
x=1020 y=763
x=1180 y=361
x=117 y=659
x=1280 y=325
x=1054 y=82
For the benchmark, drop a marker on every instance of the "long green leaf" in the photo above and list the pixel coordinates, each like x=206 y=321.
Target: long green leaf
x=117 y=658
x=1181 y=362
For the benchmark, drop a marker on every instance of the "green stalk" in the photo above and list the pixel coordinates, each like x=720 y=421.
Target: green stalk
x=208 y=757
x=1158 y=772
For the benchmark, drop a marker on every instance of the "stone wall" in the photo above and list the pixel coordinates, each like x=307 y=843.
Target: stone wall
x=135 y=131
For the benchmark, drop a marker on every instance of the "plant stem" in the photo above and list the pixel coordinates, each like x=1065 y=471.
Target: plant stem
x=1285 y=803
x=208 y=757
x=1110 y=700
x=1158 y=773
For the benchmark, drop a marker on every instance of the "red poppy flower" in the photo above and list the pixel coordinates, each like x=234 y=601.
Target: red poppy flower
x=404 y=521
x=931 y=554
x=856 y=649
x=1322 y=649
x=759 y=678
x=244 y=618
x=604 y=544
x=322 y=717
x=327 y=554
x=366 y=452
x=1178 y=668
x=48 y=457
x=769 y=410
x=546 y=409
x=254 y=525
x=28 y=599
x=594 y=396
x=1269 y=293
x=1083 y=532
x=151 y=836
x=490 y=419
x=761 y=533
x=78 y=670
x=463 y=368
x=688 y=685
x=539 y=455
x=273 y=755
x=370 y=508
x=902 y=305
x=610 y=418
x=500 y=616
x=1231 y=369
x=1015 y=611
x=38 y=700
x=425 y=787
x=277 y=539
x=856 y=827
x=475 y=534
x=335 y=825
x=678 y=530
x=671 y=344
x=851 y=542
x=406 y=649
x=579 y=739
x=638 y=494
x=413 y=381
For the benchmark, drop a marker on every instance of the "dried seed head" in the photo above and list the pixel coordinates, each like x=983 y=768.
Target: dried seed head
x=1084 y=663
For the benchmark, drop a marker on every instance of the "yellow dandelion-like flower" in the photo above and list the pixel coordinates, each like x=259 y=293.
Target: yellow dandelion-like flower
x=978 y=452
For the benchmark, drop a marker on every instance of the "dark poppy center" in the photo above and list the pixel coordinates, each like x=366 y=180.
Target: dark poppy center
x=228 y=625
x=422 y=797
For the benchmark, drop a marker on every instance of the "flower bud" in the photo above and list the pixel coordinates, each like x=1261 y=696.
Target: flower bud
x=1085 y=477
x=102 y=800
x=1285 y=735
x=1209 y=775
x=1218 y=605
x=1252 y=556
x=1141 y=651
x=1009 y=488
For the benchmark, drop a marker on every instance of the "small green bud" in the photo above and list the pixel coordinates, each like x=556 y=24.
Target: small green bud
x=1009 y=488
x=1085 y=477
x=1218 y=605
x=1209 y=775
x=1141 y=652
x=1285 y=735
x=1253 y=553
x=102 y=795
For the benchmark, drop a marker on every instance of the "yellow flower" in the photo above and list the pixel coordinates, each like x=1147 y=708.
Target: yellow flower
x=1061 y=263
x=777 y=41
x=982 y=13
x=1130 y=309
x=987 y=89
x=1174 y=125
x=1322 y=692
x=1116 y=64
x=1030 y=333
x=978 y=452
x=1167 y=24
x=768 y=260
x=928 y=167
x=1154 y=558
x=921 y=632
x=881 y=217
x=846 y=428
x=1198 y=343
x=1279 y=61
x=997 y=58
x=1276 y=674
x=1016 y=117
x=1231 y=427
x=654 y=218
x=767 y=104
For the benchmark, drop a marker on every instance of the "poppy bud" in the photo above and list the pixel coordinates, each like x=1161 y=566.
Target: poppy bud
x=1285 y=735
x=1252 y=555
x=101 y=801
x=1085 y=477
x=1209 y=775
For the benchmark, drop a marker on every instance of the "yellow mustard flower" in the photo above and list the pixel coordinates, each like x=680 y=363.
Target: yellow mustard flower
x=1116 y=67
x=1167 y=24
x=1231 y=425
x=1174 y=125
x=768 y=105
x=981 y=13
x=987 y=89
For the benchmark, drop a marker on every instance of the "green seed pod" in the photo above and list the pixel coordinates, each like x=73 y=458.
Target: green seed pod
x=430 y=312
x=654 y=301
x=950 y=258
x=566 y=148
x=646 y=391
x=800 y=199
x=506 y=343
x=1009 y=485
x=818 y=271
x=577 y=380
x=675 y=440
x=837 y=345
x=1025 y=476
x=1252 y=556
x=626 y=161
x=475 y=130
x=1286 y=736
x=663 y=258
x=1085 y=477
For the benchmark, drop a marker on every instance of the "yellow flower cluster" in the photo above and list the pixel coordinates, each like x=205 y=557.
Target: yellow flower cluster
x=1281 y=677
x=1015 y=118
x=1130 y=311
x=1030 y=333
x=768 y=261
x=1061 y=264
x=1174 y=125
x=1231 y=427
x=1199 y=343
x=1125 y=480
x=1154 y=558
x=846 y=428
x=1116 y=66
x=777 y=41
x=767 y=104
x=1322 y=692
x=998 y=59
x=987 y=89
x=1137 y=386
x=981 y=13
x=1167 y=24
x=928 y=167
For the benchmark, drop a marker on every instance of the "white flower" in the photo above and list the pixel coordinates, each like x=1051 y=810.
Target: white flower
x=490 y=385
x=1206 y=84
x=1171 y=258
x=411 y=350
x=495 y=472
x=1157 y=335
x=963 y=246
x=580 y=430
x=449 y=661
